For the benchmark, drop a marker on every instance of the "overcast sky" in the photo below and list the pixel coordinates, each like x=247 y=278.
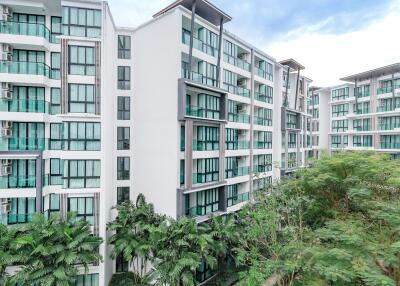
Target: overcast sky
x=331 y=38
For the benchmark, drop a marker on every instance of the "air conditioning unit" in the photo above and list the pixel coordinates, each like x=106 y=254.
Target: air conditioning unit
x=6 y=85
x=7 y=48
x=241 y=82
x=6 y=94
x=5 y=18
x=241 y=108
x=9 y=57
x=6 y=124
x=6 y=10
x=6 y=132
x=241 y=132
x=5 y=206
x=6 y=162
x=6 y=170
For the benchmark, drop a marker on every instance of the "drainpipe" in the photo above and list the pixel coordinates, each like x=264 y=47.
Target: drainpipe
x=191 y=38
x=221 y=30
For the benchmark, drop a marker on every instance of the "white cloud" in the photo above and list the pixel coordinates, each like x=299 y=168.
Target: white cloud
x=330 y=57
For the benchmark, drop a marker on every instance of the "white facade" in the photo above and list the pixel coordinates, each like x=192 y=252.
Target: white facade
x=92 y=114
x=365 y=112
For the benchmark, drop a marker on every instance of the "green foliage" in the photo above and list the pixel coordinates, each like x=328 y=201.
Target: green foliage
x=337 y=223
x=49 y=250
x=131 y=234
x=127 y=279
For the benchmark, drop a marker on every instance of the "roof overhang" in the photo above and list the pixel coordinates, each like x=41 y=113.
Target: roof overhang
x=393 y=68
x=292 y=64
x=204 y=9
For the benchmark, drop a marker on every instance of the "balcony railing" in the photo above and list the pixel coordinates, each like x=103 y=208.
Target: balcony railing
x=199 y=44
x=388 y=126
x=238 y=90
x=205 y=145
x=240 y=198
x=262 y=145
x=262 y=121
x=385 y=89
x=24 y=68
x=196 y=111
x=25 y=105
x=388 y=107
x=393 y=145
x=199 y=78
x=27 y=29
x=239 y=118
x=18 y=218
x=238 y=172
x=262 y=168
x=201 y=178
x=262 y=97
x=237 y=145
x=262 y=73
x=25 y=143
x=199 y=211
x=11 y=181
x=237 y=62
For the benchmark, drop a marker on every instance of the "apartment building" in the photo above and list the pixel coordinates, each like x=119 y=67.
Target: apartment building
x=318 y=109
x=65 y=115
x=213 y=132
x=178 y=109
x=365 y=112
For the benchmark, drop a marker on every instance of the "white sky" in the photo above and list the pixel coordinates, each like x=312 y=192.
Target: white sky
x=326 y=56
x=330 y=57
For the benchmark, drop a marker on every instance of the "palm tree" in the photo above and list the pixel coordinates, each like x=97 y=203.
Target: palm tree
x=226 y=238
x=7 y=256
x=180 y=247
x=53 y=249
x=131 y=234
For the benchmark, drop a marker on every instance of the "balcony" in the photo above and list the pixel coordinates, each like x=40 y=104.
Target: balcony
x=27 y=29
x=18 y=218
x=237 y=172
x=237 y=62
x=199 y=44
x=196 y=111
x=391 y=145
x=202 y=178
x=199 y=78
x=237 y=199
x=383 y=90
x=262 y=121
x=205 y=145
x=237 y=145
x=28 y=68
x=28 y=105
x=15 y=182
x=262 y=145
x=262 y=97
x=238 y=90
x=262 y=168
x=22 y=143
x=239 y=118
x=203 y=203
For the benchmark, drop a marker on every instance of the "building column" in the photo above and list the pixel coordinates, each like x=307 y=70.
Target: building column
x=39 y=183
x=221 y=30
x=188 y=154
x=191 y=38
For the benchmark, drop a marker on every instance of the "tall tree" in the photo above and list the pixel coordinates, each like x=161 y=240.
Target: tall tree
x=131 y=234
x=52 y=249
x=180 y=248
